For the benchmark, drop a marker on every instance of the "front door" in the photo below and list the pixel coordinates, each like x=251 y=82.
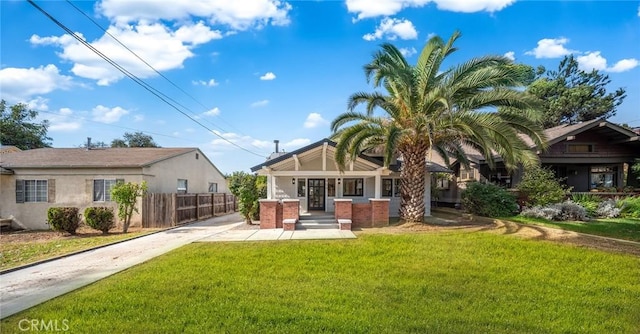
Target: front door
x=316 y=194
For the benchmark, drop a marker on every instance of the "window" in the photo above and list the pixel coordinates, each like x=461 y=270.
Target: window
x=102 y=189
x=442 y=183
x=604 y=177
x=302 y=188
x=331 y=187
x=352 y=187
x=467 y=173
x=579 y=148
x=182 y=186
x=213 y=187
x=32 y=191
x=396 y=187
x=387 y=187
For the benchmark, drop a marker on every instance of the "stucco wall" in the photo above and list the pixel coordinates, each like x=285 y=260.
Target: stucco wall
x=71 y=189
x=162 y=177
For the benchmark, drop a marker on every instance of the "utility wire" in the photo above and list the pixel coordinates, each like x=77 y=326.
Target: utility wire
x=151 y=67
x=133 y=77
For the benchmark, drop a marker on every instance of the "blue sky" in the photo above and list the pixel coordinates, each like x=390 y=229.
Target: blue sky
x=259 y=70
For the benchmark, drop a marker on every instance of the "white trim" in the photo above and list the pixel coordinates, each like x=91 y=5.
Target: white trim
x=320 y=173
x=297 y=161
x=324 y=156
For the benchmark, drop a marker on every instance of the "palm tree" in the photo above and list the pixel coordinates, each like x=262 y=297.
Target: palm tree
x=426 y=109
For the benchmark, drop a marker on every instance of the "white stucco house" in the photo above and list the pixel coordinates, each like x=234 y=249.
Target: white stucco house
x=31 y=181
x=311 y=175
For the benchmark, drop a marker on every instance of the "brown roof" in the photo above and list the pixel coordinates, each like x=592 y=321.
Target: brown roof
x=8 y=149
x=94 y=158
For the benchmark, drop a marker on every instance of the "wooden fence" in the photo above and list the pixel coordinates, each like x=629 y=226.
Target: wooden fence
x=166 y=210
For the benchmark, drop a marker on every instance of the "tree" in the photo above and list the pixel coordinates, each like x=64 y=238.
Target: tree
x=248 y=188
x=17 y=127
x=136 y=139
x=126 y=196
x=572 y=95
x=541 y=187
x=426 y=109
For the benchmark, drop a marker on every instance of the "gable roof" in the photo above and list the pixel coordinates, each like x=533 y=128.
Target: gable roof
x=94 y=158
x=431 y=166
x=561 y=132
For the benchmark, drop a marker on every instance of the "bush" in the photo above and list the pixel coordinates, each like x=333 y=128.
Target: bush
x=608 y=209
x=541 y=187
x=591 y=203
x=63 y=219
x=557 y=212
x=630 y=207
x=488 y=200
x=100 y=218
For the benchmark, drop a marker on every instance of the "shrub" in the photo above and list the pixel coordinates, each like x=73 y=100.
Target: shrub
x=630 y=207
x=100 y=218
x=63 y=219
x=589 y=202
x=489 y=200
x=607 y=209
x=541 y=187
x=557 y=212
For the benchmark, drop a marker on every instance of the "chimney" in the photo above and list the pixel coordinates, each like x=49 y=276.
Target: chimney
x=276 y=142
x=88 y=143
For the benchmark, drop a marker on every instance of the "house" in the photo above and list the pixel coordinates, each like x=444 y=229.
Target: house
x=589 y=156
x=31 y=181
x=310 y=178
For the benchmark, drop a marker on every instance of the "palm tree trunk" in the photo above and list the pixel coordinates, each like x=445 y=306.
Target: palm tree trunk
x=413 y=184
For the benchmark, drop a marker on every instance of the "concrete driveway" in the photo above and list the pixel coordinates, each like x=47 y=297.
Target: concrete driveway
x=25 y=288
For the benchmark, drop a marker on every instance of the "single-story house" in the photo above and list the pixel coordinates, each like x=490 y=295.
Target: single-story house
x=589 y=156
x=34 y=180
x=311 y=177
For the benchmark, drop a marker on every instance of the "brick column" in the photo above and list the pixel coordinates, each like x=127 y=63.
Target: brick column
x=268 y=210
x=379 y=211
x=291 y=209
x=343 y=208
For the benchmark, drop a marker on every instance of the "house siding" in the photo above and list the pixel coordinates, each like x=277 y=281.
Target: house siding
x=162 y=177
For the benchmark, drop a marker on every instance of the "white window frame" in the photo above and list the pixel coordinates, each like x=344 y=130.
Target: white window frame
x=36 y=193
x=106 y=190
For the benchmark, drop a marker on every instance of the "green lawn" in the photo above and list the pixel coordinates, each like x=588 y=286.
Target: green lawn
x=13 y=254
x=620 y=228
x=423 y=283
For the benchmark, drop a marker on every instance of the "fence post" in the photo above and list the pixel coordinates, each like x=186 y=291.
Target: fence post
x=174 y=214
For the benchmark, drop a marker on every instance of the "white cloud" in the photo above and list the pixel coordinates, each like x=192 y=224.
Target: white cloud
x=210 y=83
x=64 y=121
x=260 y=103
x=510 y=55
x=408 y=52
x=20 y=84
x=239 y=15
x=391 y=29
x=550 y=48
x=38 y=103
x=156 y=43
x=314 y=119
x=624 y=65
x=268 y=76
x=367 y=8
x=108 y=115
x=138 y=118
x=595 y=61
x=213 y=112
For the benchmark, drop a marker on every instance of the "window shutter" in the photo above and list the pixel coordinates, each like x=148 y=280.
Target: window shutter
x=19 y=191
x=51 y=184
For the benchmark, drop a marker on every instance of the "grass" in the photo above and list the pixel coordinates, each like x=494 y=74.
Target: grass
x=423 y=283
x=13 y=254
x=620 y=228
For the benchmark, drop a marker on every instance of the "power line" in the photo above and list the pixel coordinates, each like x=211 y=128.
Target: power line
x=151 y=67
x=133 y=77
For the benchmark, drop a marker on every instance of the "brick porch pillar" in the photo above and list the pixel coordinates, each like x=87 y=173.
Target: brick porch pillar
x=343 y=208
x=379 y=212
x=268 y=213
x=291 y=209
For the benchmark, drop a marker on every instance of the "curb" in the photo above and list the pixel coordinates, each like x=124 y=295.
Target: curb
x=28 y=265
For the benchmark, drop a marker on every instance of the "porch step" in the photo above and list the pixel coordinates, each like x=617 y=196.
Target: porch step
x=317 y=225
x=317 y=217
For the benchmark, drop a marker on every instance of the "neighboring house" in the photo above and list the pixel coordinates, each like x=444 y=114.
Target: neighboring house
x=311 y=175
x=592 y=155
x=31 y=181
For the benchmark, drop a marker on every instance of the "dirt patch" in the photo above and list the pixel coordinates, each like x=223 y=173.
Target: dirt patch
x=447 y=222
x=253 y=226
x=44 y=236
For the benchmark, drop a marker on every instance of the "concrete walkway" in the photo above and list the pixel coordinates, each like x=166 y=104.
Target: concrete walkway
x=25 y=288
